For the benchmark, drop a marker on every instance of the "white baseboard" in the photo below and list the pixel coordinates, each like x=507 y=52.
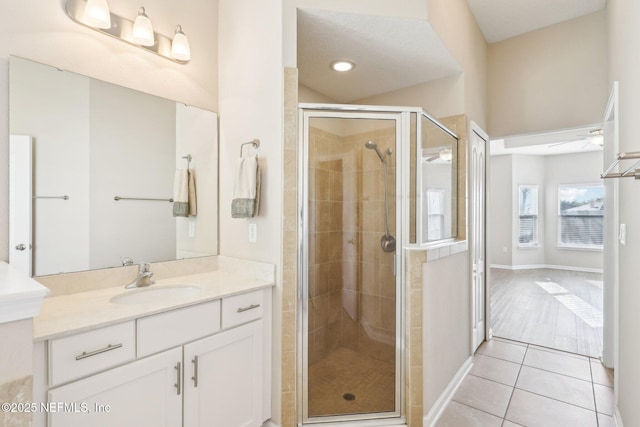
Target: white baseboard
x=549 y=266
x=438 y=408
x=617 y=418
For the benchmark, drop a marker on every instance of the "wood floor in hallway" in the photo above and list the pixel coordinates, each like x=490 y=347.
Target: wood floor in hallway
x=551 y=308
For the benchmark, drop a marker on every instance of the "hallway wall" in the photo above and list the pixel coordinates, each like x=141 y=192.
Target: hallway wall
x=552 y=78
x=624 y=45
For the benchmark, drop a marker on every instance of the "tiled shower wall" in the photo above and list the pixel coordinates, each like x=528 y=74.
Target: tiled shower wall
x=351 y=280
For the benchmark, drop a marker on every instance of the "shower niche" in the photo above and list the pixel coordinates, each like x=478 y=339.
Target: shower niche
x=372 y=181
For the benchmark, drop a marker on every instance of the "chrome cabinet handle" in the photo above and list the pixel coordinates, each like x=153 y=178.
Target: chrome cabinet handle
x=195 y=371
x=251 y=307
x=178 y=384
x=110 y=347
x=21 y=247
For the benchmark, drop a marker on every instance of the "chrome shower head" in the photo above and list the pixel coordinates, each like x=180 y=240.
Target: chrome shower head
x=373 y=146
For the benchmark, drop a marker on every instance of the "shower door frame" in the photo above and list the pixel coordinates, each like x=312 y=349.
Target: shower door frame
x=401 y=116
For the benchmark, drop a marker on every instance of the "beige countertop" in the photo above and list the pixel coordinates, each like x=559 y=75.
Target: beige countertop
x=82 y=311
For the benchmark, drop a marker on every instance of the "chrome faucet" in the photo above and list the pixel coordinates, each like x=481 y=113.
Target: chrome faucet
x=143 y=278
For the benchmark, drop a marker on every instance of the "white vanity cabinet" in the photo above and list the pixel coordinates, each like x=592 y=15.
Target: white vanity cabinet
x=197 y=366
x=224 y=379
x=143 y=393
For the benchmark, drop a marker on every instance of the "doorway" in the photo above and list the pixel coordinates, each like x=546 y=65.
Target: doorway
x=351 y=300
x=547 y=236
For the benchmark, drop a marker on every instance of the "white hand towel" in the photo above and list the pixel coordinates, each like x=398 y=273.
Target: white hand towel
x=181 y=193
x=246 y=192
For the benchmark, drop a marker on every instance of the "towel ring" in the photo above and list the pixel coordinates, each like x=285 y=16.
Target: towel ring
x=255 y=143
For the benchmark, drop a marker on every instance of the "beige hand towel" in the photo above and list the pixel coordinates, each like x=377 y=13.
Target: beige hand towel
x=246 y=192
x=193 y=210
x=181 y=193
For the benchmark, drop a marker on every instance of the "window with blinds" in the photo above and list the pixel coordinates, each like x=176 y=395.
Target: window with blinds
x=581 y=216
x=528 y=215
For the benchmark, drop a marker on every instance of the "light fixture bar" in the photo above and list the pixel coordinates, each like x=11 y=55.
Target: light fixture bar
x=121 y=29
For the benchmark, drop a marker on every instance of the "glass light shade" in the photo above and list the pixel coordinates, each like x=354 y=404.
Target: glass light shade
x=143 y=30
x=446 y=154
x=180 y=49
x=97 y=14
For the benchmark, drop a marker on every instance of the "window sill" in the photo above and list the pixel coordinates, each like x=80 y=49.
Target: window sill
x=580 y=248
x=529 y=247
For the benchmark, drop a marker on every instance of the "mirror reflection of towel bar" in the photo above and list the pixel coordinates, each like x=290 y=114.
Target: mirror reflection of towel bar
x=116 y=198
x=52 y=197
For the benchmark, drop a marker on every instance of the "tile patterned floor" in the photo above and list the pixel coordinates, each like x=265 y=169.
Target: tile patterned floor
x=371 y=381
x=514 y=384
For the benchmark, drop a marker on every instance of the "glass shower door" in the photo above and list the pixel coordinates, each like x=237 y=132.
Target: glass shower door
x=350 y=309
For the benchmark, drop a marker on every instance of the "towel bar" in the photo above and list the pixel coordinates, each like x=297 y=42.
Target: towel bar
x=52 y=197
x=632 y=172
x=116 y=198
x=255 y=143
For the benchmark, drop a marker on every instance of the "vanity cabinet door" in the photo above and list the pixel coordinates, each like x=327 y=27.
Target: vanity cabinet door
x=224 y=379
x=144 y=393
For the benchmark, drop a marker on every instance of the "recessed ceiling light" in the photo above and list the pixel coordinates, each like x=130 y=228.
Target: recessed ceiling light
x=342 y=65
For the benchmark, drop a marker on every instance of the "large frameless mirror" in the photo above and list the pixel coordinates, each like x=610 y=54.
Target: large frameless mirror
x=92 y=142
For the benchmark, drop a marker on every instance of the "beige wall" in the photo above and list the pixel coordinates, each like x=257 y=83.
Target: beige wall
x=624 y=32
x=440 y=98
x=552 y=78
x=251 y=106
x=454 y=23
x=41 y=31
x=446 y=322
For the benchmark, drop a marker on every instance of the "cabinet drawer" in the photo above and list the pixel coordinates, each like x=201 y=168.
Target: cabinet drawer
x=242 y=308
x=89 y=352
x=176 y=327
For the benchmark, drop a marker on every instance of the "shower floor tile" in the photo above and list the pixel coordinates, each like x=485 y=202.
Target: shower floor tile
x=345 y=371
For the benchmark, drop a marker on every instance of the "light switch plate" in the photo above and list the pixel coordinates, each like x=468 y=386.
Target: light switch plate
x=253 y=233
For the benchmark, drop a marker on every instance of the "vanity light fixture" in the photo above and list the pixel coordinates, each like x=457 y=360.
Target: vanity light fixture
x=342 y=65
x=143 y=30
x=180 y=45
x=95 y=14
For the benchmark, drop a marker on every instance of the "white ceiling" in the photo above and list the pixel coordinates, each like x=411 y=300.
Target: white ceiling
x=390 y=53
x=502 y=19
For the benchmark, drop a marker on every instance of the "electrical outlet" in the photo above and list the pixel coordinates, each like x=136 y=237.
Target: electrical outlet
x=253 y=233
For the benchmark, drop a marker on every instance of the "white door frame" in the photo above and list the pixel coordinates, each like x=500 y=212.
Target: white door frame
x=612 y=224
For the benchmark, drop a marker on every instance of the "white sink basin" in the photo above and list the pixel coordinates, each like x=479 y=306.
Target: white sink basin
x=155 y=294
